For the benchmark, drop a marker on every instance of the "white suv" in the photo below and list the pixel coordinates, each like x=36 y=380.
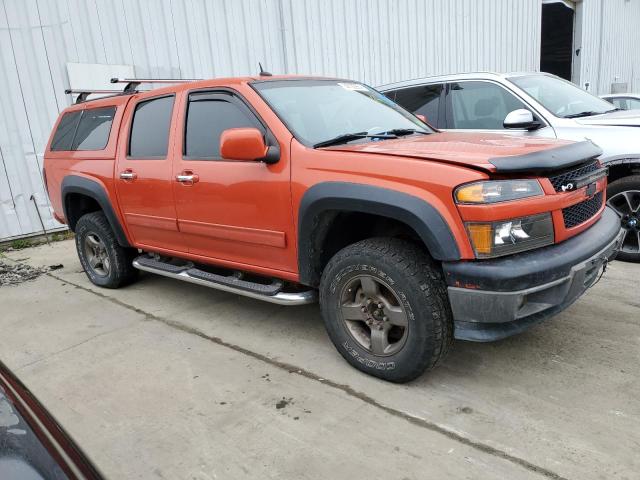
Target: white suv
x=538 y=104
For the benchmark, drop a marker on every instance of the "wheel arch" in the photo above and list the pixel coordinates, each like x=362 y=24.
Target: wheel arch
x=621 y=166
x=323 y=203
x=89 y=194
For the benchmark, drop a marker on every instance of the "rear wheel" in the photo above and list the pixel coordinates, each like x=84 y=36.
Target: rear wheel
x=105 y=261
x=385 y=308
x=624 y=197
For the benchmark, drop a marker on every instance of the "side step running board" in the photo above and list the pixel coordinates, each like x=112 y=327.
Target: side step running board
x=229 y=283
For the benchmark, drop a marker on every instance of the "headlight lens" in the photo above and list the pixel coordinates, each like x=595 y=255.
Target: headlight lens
x=494 y=191
x=505 y=237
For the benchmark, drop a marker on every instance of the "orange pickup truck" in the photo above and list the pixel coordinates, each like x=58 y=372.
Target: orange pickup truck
x=277 y=187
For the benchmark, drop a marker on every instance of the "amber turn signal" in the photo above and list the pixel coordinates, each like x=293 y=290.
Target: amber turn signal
x=480 y=236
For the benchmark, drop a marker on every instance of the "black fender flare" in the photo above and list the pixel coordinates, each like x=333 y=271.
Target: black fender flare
x=421 y=216
x=620 y=160
x=92 y=189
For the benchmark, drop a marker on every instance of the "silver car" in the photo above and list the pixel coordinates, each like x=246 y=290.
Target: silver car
x=624 y=101
x=538 y=104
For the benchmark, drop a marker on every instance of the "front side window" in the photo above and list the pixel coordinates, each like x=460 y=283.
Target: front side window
x=63 y=138
x=150 y=128
x=208 y=115
x=561 y=98
x=421 y=100
x=633 y=104
x=316 y=111
x=479 y=105
x=94 y=128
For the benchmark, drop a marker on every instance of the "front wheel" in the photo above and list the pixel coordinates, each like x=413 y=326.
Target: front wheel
x=385 y=308
x=624 y=197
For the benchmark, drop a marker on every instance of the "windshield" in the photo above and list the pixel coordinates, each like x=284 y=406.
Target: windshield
x=560 y=97
x=317 y=111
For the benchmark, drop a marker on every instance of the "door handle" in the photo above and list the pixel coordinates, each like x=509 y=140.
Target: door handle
x=128 y=174
x=187 y=178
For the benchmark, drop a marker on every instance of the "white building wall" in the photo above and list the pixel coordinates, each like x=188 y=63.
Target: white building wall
x=375 y=41
x=610 y=44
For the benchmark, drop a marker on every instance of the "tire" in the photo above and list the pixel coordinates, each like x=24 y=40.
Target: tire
x=408 y=281
x=105 y=261
x=623 y=196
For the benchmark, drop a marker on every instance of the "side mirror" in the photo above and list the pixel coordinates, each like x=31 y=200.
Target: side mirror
x=520 y=118
x=242 y=144
x=422 y=117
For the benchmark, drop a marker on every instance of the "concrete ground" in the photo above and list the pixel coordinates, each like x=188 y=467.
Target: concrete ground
x=170 y=380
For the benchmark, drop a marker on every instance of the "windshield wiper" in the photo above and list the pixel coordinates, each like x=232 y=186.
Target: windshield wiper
x=582 y=114
x=405 y=131
x=347 y=137
x=589 y=113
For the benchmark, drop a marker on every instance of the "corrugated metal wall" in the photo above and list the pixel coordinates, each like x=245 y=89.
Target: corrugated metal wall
x=610 y=44
x=375 y=41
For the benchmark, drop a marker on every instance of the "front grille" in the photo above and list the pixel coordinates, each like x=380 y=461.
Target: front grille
x=563 y=178
x=581 y=212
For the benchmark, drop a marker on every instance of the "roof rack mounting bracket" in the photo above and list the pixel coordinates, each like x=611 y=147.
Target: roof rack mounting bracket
x=131 y=87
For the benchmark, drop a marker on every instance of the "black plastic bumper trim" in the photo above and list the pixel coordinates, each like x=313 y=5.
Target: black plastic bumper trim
x=483 y=315
x=536 y=267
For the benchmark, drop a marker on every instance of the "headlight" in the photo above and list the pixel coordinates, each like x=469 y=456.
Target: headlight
x=493 y=191
x=494 y=239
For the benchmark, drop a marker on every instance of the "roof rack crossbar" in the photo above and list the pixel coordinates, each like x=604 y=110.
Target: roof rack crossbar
x=131 y=86
x=133 y=83
x=154 y=80
x=83 y=94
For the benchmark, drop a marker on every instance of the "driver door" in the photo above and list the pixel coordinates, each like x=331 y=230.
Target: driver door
x=235 y=213
x=481 y=106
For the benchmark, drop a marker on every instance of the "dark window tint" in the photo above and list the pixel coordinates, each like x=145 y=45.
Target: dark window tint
x=150 y=128
x=479 y=105
x=63 y=138
x=93 y=131
x=207 y=119
x=421 y=100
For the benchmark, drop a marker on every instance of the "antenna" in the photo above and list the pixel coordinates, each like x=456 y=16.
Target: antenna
x=263 y=73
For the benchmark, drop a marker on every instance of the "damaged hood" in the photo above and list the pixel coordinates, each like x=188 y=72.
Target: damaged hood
x=493 y=153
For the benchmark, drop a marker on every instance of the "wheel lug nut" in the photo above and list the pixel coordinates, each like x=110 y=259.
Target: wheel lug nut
x=369 y=301
x=385 y=319
x=380 y=305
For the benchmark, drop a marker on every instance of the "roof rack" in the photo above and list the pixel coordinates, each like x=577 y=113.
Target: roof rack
x=132 y=83
x=130 y=87
x=83 y=94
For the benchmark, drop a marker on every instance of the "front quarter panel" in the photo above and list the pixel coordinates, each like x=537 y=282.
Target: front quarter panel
x=431 y=182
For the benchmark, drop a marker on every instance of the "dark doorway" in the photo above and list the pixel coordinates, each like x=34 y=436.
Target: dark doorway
x=556 y=49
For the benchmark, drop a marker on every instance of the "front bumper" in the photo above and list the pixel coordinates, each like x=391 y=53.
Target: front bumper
x=494 y=299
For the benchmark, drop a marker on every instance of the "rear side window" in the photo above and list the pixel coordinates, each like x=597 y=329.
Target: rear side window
x=150 y=128
x=421 y=100
x=208 y=116
x=87 y=129
x=94 y=128
x=63 y=138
